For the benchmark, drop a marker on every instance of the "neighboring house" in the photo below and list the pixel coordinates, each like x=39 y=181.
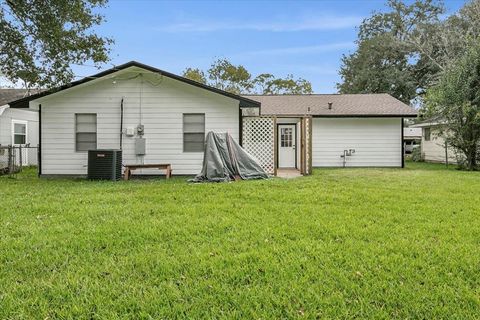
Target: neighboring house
x=433 y=146
x=117 y=108
x=412 y=138
x=18 y=127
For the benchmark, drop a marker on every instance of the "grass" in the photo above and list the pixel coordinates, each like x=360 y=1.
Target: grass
x=342 y=243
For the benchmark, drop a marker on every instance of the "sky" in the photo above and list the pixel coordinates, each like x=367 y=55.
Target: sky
x=304 y=38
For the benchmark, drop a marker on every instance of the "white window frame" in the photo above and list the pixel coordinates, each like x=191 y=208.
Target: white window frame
x=13 y=131
x=75 y=130
x=183 y=130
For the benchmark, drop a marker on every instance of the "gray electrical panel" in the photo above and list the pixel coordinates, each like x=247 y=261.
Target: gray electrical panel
x=140 y=146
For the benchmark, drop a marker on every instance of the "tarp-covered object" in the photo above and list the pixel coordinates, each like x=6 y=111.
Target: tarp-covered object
x=224 y=160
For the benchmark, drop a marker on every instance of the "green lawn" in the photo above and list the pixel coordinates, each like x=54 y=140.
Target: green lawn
x=342 y=243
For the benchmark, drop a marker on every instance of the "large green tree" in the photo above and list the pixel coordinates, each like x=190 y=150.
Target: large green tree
x=40 y=40
x=406 y=49
x=456 y=98
x=237 y=79
x=387 y=59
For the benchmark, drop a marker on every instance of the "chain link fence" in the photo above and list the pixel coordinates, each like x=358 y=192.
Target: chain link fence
x=14 y=158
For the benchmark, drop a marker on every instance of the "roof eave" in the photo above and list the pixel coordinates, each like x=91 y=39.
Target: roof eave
x=244 y=102
x=366 y=116
x=345 y=115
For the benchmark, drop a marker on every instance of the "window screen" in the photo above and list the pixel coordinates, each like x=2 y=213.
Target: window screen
x=86 y=131
x=19 y=133
x=193 y=132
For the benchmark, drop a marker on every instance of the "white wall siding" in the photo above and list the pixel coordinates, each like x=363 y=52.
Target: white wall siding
x=377 y=142
x=434 y=150
x=31 y=117
x=162 y=109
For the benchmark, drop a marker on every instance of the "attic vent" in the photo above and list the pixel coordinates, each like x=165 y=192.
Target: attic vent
x=330 y=105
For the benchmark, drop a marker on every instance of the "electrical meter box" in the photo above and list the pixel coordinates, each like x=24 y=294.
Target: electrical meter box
x=140 y=146
x=140 y=129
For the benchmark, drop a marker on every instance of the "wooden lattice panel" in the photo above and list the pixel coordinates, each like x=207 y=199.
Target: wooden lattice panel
x=258 y=139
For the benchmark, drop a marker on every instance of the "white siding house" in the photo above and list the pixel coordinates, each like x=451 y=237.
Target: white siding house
x=367 y=128
x=155 y=101
x=433 y=146
x=292 y=132
x=20 y=127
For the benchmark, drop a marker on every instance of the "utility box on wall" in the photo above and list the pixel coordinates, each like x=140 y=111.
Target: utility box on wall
x=140 y=146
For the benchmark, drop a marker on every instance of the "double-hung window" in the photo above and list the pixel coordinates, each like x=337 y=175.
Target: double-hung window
x=427 y=134
x=19 y=133
x=193 y=132
x=85 y=131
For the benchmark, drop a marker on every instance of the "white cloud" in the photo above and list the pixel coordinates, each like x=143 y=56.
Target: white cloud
x=320 y=22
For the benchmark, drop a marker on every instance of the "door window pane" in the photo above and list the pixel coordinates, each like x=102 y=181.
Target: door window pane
x=286 y=137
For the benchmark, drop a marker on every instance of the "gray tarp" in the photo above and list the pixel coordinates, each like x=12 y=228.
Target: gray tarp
x=224 y=160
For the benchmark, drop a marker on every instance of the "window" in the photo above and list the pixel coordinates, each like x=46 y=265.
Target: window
x=193 y=132
x=85 y=131
x=286 y=135
x=19 y=133
x=426 y=134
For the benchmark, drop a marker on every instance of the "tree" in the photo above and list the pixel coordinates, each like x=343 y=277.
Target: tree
x=226 y=76
x=456 y=98
x=287 y=85
x=443 y=42
x=195 y=74
x=387 y=59
x=40 y=40
x=405 y=50
x=263 y=82
x=236 y=79
x=377 y=68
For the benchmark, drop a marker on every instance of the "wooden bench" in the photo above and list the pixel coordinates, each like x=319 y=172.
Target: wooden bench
x=131 y=167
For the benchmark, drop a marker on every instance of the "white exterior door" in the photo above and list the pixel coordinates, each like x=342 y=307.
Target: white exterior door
x=286 y=145
x=19 y=138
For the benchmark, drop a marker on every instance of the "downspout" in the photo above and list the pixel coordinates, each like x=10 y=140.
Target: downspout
x=121 y=124
x=39 y=151
x=403 y=145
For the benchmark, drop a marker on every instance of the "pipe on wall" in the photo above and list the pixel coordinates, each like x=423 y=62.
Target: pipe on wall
x=121 y=123
x=39 y=151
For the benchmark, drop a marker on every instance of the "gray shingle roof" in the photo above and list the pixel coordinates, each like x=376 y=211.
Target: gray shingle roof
x=342 y=105
x=9 y=95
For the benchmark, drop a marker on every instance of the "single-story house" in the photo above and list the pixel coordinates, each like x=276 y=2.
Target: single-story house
x=412 y=138
x=18 y=127
x=135 y=105
x=434 y=148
